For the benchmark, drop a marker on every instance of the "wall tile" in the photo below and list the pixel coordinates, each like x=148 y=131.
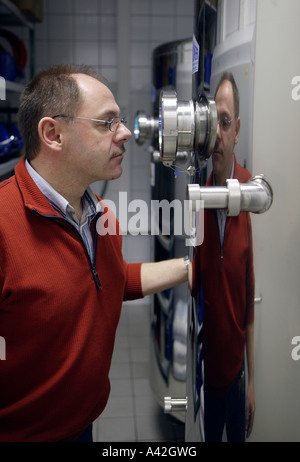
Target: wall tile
x=42 y=54
x=108 y=53
x=86 y=53
x=184 y=27
x=58 y=6
x=184 y=7
x=41 y=29
x=165 y=7
x=140 y=7
x=86 y=27
x=140 y=78
x=60 y=27
x=107 y=28
x=140 y=28
x=60 y=52
x=140 y=54
x=163 y=29
x=108 y=7
x=86 y=7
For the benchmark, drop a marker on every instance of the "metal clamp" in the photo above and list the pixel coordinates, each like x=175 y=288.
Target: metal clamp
x=175 y=404
x=186 y=126
x=234 y=197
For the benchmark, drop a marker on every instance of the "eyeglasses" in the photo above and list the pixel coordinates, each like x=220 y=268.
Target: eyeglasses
x=224 y=123
x=111 y=124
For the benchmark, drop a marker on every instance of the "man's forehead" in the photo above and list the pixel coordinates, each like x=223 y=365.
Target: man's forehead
x=95 y=93
x=224 y=96
x=90 y=84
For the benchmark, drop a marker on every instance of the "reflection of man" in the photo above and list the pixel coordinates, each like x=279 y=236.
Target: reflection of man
x=61 y=284
x=223 y=267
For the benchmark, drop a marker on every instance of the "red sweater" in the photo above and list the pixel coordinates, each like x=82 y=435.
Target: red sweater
x=59 y=326
x=228 y=292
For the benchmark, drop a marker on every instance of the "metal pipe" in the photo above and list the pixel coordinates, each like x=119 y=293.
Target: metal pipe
x=255 y=196
x=174 y=404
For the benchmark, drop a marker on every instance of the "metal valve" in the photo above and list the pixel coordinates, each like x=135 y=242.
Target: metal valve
x=174 y=404
x=144 y=127
x=255 y=196
x=186 y=126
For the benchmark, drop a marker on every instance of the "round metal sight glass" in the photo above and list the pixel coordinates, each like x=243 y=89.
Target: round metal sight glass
x=144 y=127
x=168 y=126
x=186 y=126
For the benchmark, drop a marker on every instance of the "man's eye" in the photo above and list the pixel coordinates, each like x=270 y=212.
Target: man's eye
x=225 y=123
x=102 y=125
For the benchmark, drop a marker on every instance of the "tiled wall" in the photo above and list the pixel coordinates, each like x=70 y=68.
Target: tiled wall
x=86 y=32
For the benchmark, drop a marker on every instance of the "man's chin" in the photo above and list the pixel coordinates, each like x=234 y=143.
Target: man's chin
x=216 y=158
x=217 y=155
x=116 y=174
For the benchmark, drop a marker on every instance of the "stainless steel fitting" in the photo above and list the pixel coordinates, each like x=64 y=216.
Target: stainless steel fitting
x=255 y=196
x=186 y=126
x=174 y=405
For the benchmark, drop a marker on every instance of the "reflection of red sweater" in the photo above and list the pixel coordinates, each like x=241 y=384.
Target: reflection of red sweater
x=228 y=292
x=59 y=327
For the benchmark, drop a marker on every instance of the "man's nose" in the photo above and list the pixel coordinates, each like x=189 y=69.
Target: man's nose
x=123 y=133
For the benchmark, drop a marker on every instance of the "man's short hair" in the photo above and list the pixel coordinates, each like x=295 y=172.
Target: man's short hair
x=52 y=91
x=228 y=76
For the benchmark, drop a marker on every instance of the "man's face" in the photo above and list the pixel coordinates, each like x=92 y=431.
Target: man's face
x=227 y=133
x=94 y=152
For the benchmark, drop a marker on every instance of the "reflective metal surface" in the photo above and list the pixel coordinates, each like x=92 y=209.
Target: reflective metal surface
x=175 y=404
x=144 y=127
x=186 y=126
x=256 y=196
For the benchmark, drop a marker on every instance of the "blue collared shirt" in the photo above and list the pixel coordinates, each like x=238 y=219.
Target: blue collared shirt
x=90 y=207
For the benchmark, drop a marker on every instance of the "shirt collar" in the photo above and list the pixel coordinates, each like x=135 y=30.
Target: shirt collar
x=90 y=203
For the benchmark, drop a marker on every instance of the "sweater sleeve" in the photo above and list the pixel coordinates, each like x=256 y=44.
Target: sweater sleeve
x=133 y=287
x=133 y=282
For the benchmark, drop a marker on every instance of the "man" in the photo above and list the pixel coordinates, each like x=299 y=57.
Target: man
x=61 y=283
x=223 y=267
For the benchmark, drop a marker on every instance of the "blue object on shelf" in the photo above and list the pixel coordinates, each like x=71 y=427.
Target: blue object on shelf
x=5 y=141
x=12 y=64
x=7 y=66
x=16 y=137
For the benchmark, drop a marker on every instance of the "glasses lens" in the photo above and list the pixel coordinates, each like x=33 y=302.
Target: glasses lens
x=224 y=123
x=115 y=122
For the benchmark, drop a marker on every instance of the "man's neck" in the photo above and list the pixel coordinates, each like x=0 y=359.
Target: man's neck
x=220 y=179
x=62 y=183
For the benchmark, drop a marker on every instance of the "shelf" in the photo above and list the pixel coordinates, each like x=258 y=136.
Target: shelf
x=11 y=15
x=14 y=86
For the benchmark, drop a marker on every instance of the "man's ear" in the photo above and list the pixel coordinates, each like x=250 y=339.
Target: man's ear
x=50 y=133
